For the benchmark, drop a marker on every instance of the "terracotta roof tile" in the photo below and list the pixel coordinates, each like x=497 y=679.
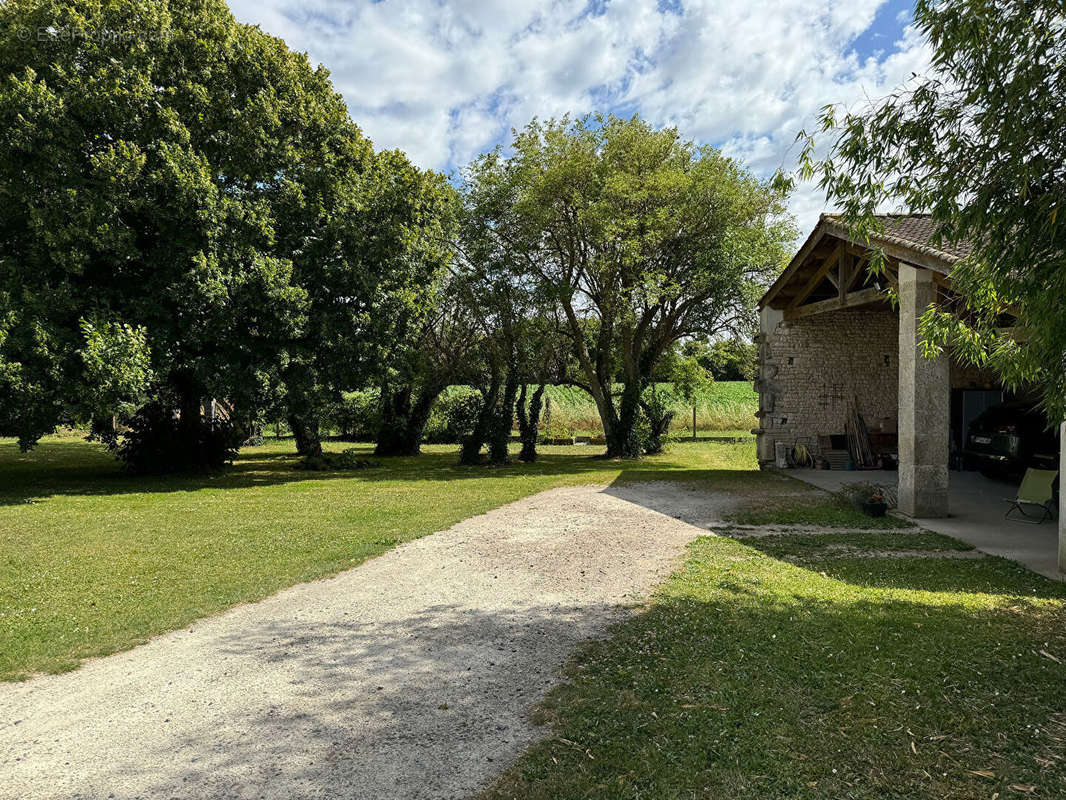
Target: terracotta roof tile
x=917 y=231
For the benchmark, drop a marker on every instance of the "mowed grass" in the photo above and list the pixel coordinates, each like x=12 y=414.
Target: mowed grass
x=823 y=665
x=803 y=666
x=93 y=560
x=812 y=509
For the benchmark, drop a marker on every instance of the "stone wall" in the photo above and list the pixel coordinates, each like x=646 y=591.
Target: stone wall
x=967 y=376
x=811 y=369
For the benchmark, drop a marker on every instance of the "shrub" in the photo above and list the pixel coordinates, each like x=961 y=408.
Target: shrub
x=453 y=416
x=358 y=416
x=156 y=442
x=653 y=425
x=347 y=459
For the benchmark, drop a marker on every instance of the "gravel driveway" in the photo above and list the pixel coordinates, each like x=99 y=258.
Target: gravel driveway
x=409 y=676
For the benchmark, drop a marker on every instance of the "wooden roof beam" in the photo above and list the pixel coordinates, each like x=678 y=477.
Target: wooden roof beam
x=851 y=300
x=820 y=274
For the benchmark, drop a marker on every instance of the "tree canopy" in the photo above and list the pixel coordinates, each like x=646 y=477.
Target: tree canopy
x=186 y=191
x=638 y=237
x=979 y=144
x=196 y=234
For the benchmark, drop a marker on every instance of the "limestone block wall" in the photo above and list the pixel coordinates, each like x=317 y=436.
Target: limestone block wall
x=811 y=369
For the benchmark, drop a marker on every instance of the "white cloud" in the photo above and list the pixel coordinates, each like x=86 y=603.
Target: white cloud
x=445 y=80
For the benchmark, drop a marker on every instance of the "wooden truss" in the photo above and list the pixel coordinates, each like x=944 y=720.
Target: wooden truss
x=847 y=269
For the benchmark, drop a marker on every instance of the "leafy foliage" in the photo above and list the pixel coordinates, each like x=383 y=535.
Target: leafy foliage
x=732 y=359
x=135 y=180
x=358 y=415
x=637 y=237
x=436 y=353
x=193 y=200
x=453 y=416
x=156 y=442
x=118 y=370
x=978 y=144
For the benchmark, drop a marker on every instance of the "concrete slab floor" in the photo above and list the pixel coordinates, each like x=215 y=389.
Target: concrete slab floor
x=977 y=505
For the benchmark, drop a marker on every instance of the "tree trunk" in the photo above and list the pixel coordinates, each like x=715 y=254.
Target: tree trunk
x=470 y=451
x=622 y=439
x=404 y=414
x=189 y=415
x=529 y=423
x=503 y=420
x=393 y=439
x=305 y=432
x=600 y=389
x=189 y=428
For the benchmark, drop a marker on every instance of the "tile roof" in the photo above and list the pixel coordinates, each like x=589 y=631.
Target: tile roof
x=916 y=231
x=913 y=232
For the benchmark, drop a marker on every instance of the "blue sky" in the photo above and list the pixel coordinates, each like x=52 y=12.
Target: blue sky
x=445 y=80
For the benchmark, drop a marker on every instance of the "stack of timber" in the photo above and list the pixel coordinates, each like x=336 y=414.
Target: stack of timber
x=862 y=452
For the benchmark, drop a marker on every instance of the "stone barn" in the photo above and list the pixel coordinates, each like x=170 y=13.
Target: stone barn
x=831 y=342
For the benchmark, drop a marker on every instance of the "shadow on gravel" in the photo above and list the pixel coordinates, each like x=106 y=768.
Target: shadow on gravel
x=429 y=706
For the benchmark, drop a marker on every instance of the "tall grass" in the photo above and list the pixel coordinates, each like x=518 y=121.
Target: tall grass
x=725 y=406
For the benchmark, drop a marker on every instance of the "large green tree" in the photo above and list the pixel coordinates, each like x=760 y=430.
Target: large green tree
x=438 y=350
x=366 y=248
x=639 y=237
x=139 y=137
x=980 y=144
x=187 y=192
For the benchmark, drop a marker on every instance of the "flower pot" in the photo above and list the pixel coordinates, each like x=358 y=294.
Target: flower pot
x=873 y=508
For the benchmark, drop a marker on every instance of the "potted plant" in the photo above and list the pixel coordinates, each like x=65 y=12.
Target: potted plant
x=872 y=502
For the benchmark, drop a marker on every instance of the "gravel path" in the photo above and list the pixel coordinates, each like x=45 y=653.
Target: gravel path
x=407 y=677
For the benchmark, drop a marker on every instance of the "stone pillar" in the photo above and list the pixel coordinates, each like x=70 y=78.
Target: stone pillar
x=924 y=405
x=1062 y=498
x=769 y=320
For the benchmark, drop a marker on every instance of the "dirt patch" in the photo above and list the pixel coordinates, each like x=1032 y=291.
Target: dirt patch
x=409 y=676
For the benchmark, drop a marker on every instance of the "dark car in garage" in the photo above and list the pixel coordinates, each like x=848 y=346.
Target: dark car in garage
x=1008 y=438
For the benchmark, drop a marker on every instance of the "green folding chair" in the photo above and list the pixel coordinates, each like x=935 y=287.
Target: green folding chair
x=1035 y=492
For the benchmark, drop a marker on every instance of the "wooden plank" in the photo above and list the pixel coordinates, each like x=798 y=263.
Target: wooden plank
x=813 y=241
x=844 y=270
x=891 y=273
x=859 y=298
x=859 y=268
x=820 y=275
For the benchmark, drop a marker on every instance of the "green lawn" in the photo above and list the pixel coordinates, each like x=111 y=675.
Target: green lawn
x=825 y=665
x=93 y=561
x=825 y=675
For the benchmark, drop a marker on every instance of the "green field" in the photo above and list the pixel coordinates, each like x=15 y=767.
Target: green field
x=728 y=407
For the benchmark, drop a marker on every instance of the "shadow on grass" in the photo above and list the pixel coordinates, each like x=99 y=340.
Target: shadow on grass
x=78 y=468
x=747 y=678
x=755 y=678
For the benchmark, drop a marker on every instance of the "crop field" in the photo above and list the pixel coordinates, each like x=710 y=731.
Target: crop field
x=727 y=406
